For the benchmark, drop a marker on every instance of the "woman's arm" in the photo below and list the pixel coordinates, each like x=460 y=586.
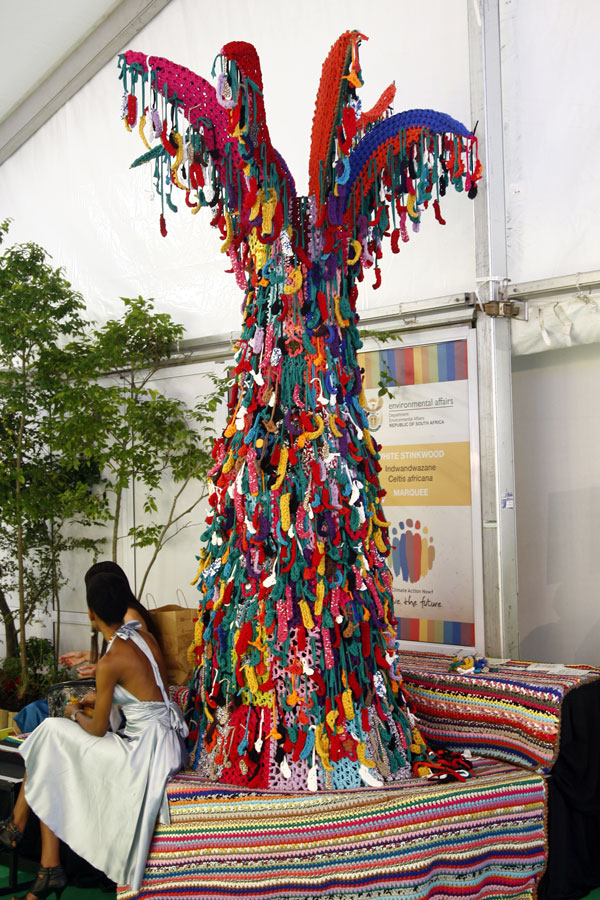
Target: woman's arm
x=74 y=658
x=107 y=675
x=87 y=671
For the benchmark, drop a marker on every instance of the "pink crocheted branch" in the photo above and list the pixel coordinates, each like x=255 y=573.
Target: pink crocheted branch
x=196 y=98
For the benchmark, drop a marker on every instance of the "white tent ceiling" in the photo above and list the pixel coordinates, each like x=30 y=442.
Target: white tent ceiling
x=36 y=36
x=49 y=51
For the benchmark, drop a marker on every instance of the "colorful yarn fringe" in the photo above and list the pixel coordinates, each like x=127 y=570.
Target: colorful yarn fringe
x=295 y=686
x=511 y=713
x=412 y=841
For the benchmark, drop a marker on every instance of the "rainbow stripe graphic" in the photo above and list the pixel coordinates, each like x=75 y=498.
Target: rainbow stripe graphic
x=461 y=634
x=428 y=364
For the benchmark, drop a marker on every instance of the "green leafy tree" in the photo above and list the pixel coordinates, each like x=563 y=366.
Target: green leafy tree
x=143 y=439
x=81 y=423
x=43 y=482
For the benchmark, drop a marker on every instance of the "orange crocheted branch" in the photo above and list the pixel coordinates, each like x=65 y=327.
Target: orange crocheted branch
x=375 y=113
x=340 y=70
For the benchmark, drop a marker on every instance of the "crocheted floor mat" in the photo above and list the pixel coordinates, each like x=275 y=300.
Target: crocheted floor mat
x=511 y=714
x=481 y=840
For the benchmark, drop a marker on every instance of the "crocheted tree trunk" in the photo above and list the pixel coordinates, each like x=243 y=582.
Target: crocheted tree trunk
x=295 y=684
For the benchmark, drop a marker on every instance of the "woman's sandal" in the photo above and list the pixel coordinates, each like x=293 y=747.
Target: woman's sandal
x=10 y=835
x=49 y=881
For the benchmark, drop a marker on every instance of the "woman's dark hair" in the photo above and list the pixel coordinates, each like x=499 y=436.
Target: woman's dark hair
x=108 y=596
x=108 y=567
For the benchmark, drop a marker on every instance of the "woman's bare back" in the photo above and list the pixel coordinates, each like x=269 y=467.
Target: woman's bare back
x=133 y=668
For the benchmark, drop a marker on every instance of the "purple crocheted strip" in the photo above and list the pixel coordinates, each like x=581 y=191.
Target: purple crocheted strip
x=435 y=122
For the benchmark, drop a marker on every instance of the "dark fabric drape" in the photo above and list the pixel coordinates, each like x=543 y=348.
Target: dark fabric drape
x=574 y=801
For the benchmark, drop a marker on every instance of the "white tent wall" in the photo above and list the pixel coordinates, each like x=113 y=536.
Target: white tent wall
x=551 y=84
x=70 y=189
x=557 y=434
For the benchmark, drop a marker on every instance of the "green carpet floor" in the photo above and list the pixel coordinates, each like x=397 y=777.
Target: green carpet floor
x=70 y=893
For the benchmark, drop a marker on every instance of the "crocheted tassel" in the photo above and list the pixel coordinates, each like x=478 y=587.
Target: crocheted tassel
x=131 y=110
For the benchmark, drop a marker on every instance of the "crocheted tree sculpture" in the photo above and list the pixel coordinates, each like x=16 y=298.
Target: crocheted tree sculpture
x=295 y=685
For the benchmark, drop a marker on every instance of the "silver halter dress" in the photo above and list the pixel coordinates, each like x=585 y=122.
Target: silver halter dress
x=103 y=795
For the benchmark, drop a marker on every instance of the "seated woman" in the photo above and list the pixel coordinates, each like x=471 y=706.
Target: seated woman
x=97 y=791
x=31 y=715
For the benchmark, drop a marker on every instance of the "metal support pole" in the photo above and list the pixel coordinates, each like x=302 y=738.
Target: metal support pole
x=493 y=340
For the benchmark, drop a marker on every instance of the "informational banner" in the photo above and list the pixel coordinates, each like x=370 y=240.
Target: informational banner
x=427 y=426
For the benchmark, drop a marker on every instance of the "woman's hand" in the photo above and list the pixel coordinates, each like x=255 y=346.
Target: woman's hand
x=88 y=701
x=71 y=709
x=75 y=658
x=87 y=671
x=107 y=677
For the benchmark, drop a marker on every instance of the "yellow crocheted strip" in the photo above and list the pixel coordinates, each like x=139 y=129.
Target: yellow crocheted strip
x=268 y=211
x=322 y=747
x=284 y=506
x=257 y=250
x=348 y=704
x=411 y=207
x=313 y=435
x=361 y=750
x=321 y=549
x=343 y=323
x=369 y=442
x=307 y=619
x=281 y=468
x=320 y=593
x=260 y=198
x=202 y=564
x=251 y=679
x=141 y=133
x=198 y=632
x=334 y=430
x=356 y=245
x=379 y=542
x=229 y=235
x=381 y=523
x=296 y=282
x=191 y=653
x=177 y=160
x=229 y=463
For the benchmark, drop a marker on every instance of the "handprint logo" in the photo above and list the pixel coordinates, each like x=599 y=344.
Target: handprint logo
x=413 y=551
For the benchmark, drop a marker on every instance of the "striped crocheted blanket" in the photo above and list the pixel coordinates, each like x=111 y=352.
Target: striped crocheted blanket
x=512 y=713
x=415 y=840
